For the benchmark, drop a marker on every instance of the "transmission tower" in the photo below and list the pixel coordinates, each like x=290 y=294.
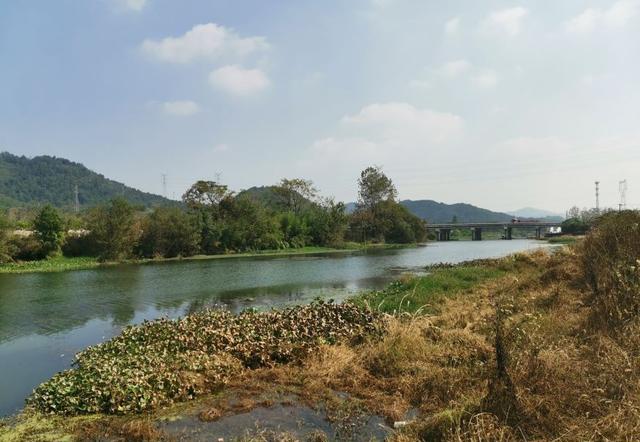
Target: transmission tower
x=164 y=185
x=597 y=196
x=622 y=186
x=77 y=199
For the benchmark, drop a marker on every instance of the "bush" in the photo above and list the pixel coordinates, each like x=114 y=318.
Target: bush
x=610 y=260
x=170 y=232
x=79 y=245
x=575 y=226
x=26 y=248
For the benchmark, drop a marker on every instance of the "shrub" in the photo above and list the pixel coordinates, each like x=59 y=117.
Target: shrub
x=49 y=229
x=81 y=244
x=610 y=261
x=26 y=248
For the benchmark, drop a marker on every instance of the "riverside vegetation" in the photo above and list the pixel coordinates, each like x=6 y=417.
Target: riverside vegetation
x=539 y=346
x=212 y=220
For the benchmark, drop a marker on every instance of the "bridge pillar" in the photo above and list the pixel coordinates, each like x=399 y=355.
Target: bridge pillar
x=444 y=234
x=508 y=233
x=538 y=232
x=476 y=234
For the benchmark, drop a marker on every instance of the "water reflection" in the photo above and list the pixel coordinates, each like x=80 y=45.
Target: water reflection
x=46 y=318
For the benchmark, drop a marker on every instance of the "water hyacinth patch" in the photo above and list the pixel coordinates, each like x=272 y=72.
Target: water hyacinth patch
x=163 y=361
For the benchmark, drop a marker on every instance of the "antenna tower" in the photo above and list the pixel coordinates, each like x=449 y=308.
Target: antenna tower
x=77 y=199
x=622 y=186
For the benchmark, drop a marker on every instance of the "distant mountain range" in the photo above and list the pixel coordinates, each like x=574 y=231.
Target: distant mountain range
x=531 y=212
x=50 y=180
x=435 y=212
x=45 y=179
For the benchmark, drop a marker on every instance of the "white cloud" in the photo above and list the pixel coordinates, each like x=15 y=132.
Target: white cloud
x=401 y=122
x=388 y=134
x=584 y=22
x=452 y=26
x=182 y=108
x=621 y=13
x=219 y=148
x=485 y=79
x=617 y=16
x=207 y=41
x=454 y=68
x=237 y=80
x=508 y=21
x=130 y=5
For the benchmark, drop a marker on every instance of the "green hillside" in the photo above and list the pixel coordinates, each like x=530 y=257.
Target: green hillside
x=435 y=212
x=44 y=179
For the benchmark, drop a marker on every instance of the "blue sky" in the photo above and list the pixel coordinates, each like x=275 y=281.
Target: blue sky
x=498 y=103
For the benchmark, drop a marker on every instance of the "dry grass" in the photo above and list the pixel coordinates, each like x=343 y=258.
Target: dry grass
x=514 y=358
x=559 y=379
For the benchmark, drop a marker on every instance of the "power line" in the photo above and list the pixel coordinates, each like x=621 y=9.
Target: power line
x=597 y=196
x=164 y=185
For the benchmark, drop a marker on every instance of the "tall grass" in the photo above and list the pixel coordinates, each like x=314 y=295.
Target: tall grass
x=610 y=261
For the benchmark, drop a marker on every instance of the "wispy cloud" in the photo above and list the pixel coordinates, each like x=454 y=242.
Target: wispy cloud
x=617 y=16
x=508 y=21
x=452 y=26
x=130 y=5
x=182 y=108
x=237 y=80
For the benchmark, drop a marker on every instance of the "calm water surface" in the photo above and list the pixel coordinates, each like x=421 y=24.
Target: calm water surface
x=46 y=318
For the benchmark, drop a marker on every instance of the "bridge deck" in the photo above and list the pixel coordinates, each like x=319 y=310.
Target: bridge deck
x=493 y=225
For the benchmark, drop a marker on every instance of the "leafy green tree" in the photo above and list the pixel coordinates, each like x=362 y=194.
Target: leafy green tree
x=206 y=194
x=113 y=228
x=374 y=187
x=378 y=216
x=170 y=232
x=49 y=229
x=248 y=226
x=206 y=200
x=295 y=193
x=328 y=223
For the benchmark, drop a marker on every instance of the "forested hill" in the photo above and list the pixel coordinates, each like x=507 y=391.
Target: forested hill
x=435 y=212
x=44 y=179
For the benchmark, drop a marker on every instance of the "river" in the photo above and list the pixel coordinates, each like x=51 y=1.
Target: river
x=45 y=318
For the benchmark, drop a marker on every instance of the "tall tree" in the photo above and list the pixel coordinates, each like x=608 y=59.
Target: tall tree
x=49 y=229
x=294 y=193
x=170 y=232
x=113 y=228
x=374 y=187
x=206 y=193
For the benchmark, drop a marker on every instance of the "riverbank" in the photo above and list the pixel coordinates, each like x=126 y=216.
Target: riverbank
x=263 y=386
x=63 y=263
x=476 y=351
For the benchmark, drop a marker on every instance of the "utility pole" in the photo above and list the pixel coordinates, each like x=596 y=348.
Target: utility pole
x=597 y=196
x=622 y=186
x=77 y=199
x=164 y=185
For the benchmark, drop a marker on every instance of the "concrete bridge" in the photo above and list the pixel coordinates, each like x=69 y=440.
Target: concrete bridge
x=443 y=231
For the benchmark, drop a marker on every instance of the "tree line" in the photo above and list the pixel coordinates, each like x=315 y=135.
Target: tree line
x=213 y=219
